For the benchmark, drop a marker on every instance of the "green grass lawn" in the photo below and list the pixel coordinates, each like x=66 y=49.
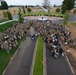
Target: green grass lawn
x=6 y=25
x=3 y=20
x=44 y=13
x=5 y=58
x=38 y=67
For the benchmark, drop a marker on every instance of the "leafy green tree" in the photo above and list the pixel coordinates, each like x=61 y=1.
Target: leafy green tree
x=58 y=10
x=5 y=14
x=69 y=4
x=63 y=9
x=29 y=10
x=74 y=11
x=9 y=15
x=23 y=8
x=14 y=11
x=19 y=9
x=4 y=4
x=66 y=18
x=20 y=19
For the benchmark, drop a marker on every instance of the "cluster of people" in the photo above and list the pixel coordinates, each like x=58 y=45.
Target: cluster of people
x=53 y=34
x=9 y=38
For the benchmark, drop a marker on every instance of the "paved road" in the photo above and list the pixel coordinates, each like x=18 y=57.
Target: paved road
x=72 y=18
x=21 y=63
x=58 y=66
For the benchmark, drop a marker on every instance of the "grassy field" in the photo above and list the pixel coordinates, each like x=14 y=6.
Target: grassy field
x=38 y=67
x=6 y=25
x=3 y=20
x=5 y=58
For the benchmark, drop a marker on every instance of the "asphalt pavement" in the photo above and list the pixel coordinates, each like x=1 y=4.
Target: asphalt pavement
x=21 y=63
x=58 y=66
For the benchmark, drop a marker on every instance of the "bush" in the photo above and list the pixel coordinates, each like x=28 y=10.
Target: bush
x=63 y=9
x=9 y=15
x=20 y=17
x=29 y=10
x=5 y=14
x=74 y=11
x=58 y=10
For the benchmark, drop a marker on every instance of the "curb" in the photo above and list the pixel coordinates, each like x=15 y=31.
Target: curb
x=44 y=58
x=33 y=61
x=12 y=58
x=70 y=64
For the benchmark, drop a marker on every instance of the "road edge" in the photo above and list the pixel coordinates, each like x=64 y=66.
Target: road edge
x=70 y=65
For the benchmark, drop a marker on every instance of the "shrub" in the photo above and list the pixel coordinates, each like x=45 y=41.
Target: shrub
x=63 y=9
x=5 y=14
x=29 y=10
x=58 y=10
x=20 y=17
x=9 y=15
x=74 y=11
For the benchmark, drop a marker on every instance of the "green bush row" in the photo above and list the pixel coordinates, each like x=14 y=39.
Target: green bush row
x=45 y=15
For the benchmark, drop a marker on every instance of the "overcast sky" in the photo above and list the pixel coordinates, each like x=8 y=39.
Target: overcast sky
x=32 y=2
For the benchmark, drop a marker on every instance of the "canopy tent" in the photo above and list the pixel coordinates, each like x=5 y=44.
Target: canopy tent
x=43 y=19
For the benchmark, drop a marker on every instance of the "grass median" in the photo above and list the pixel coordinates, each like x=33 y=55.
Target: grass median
x=7 y=25
x=38 y=66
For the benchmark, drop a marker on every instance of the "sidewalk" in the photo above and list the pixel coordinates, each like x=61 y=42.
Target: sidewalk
x=7 y=22
x=21 y=63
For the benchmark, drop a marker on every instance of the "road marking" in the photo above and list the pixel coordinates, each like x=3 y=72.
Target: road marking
x=69 y=64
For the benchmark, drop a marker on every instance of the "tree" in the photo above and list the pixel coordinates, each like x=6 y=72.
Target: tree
x=20 y=19
x=66 y=18
x=5 y=14
x=4 y=5
x=23 y=8
x=9 y=15
x=69 y=4
x=74 y=11
x=29 y=10
x=14 y=11
x=63 y=9
x=19 y=9
x=58 y=10
x=46 y=4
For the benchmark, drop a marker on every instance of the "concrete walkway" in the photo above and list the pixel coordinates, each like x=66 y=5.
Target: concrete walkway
x=21 y=63
x=7 y=22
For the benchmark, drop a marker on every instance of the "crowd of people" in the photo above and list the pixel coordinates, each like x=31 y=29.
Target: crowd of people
x=53 y=35
x=9 y=38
